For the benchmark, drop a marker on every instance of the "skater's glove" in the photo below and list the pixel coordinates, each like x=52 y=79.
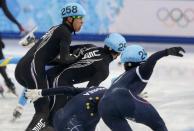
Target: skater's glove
x=176 y=51
x=33 y=94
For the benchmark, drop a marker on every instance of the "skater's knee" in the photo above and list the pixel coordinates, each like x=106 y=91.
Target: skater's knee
x=160 y=126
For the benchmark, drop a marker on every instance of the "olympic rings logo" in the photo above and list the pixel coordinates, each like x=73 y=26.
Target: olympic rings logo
x=175 y=16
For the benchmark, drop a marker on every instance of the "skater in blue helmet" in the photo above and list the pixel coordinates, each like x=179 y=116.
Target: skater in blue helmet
x=122 y=101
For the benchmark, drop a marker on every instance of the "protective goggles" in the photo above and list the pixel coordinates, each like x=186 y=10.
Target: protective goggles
x=77 y=17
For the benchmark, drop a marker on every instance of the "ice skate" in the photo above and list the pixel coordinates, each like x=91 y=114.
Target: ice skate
x=17 y=113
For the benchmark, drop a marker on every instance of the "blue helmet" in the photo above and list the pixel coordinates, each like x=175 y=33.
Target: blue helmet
x=133 y=53
x=116 y=42
x=72 y=9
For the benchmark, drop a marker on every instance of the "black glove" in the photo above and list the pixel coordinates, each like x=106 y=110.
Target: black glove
x=176 y=51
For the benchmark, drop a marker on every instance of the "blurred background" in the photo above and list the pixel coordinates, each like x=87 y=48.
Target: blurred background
x=140 y=20
x=154 y=24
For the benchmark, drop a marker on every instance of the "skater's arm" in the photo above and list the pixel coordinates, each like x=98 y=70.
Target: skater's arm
x=64 y=90
x=73 y=50
x=146 y=68
x=34 y=94
x=9 y=15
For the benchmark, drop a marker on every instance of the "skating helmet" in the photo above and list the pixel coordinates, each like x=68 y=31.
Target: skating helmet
x=73 y=9
x=116 y=42
x=133 y=53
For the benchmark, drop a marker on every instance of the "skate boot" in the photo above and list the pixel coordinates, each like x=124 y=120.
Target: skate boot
x=17 y=112
x=29 y=39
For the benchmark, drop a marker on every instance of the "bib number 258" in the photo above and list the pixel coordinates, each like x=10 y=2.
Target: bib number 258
x=69 y=9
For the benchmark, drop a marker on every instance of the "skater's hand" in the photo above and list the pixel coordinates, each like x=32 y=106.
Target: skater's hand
x=33 y=94
x=176 y=51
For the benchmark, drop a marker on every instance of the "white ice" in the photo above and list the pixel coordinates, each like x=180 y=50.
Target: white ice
x=170 y=90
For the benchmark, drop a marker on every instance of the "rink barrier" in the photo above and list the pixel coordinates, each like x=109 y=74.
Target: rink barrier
x=129 y=38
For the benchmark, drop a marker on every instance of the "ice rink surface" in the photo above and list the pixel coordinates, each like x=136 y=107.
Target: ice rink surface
x=170 y=90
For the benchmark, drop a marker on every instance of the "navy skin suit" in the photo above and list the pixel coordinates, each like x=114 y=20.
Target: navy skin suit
x=122 y=100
